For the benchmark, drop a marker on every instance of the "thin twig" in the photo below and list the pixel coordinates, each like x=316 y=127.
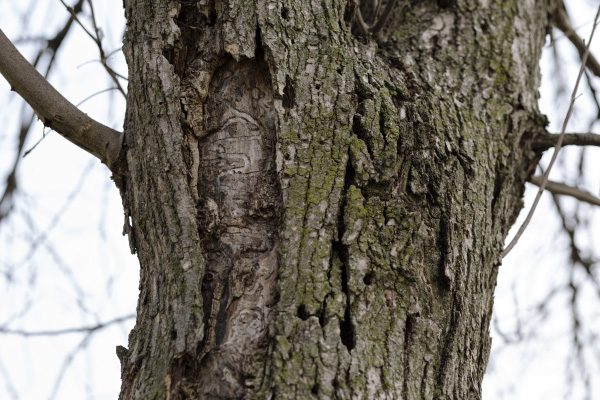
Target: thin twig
x=10 y=389
x=577 y=258
x=83 y=329
x=103 y=58
x=594 y=92
x=96 y=38
x=118 y=75
x=74 y=16
x=558 y=143
x=379 y=20
x=68 y=360
x=44 y=134
x=96 y=94
x=42 y=237
x=388 y=32
x=377 y=5
x=361 y=22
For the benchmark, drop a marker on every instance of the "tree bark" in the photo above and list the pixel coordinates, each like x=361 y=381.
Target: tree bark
x=319 y=213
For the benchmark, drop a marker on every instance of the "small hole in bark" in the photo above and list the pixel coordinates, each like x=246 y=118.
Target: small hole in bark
x=346 y=329
x=322 y=319
x=368 y=279
x=302 y=313
x=445 y=3
x=357 y=129
x=315 y=389
x=285 y=13
x=276 y=299
x=347 y=333
x=322 y=313
x=169 y=54
x=288 y=94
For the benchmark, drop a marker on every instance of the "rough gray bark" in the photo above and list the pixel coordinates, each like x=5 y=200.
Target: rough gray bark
x=318 y=213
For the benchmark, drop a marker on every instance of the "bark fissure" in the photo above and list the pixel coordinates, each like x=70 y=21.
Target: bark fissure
x=347 y=333
x=408 y=331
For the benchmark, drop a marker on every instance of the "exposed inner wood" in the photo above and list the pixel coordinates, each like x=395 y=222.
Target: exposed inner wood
x=240 y=203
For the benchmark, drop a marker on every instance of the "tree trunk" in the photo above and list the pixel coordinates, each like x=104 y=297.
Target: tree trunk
x=318 y=213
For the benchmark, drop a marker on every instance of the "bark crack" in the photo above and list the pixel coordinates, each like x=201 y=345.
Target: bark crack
x=347 y=331
x=408 y=330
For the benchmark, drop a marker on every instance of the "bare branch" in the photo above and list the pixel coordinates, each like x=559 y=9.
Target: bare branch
x=548 y=140
x=54 y=110
x=577 y=257
x=394 y=22
x=83 y=329
x=594 y=93
x=361 y=22
x=98 y=40
x=558 y=143
x=561 y=188
x=7 y=198
x=383 y=18
x=562 y=21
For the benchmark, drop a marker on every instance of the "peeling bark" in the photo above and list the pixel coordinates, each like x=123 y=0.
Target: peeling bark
x=316 y=213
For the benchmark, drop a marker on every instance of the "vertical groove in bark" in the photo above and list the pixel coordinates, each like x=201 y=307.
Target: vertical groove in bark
x=240 y=214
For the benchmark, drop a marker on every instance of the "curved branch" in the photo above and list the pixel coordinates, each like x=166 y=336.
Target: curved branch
x=548 y=140
x=54 y=110
x=563 y=22
x=380 y=21
x=383 y=18
x=361 y=22
x=561 y=188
